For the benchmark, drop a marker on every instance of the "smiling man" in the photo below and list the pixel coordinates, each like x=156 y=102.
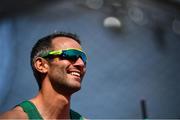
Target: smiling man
x=58 y=64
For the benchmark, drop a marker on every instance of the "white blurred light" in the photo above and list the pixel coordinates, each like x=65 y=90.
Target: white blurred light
x=112 y=22
x=94 y=4
x=176 y=26
x=137 y=15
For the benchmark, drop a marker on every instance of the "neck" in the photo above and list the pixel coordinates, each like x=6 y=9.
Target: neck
x=51 y=104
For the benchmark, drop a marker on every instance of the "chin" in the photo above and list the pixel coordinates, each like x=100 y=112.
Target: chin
x=73 y=90
x=74 y=87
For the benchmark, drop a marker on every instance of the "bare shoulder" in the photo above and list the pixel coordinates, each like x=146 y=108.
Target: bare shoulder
x=15 y=113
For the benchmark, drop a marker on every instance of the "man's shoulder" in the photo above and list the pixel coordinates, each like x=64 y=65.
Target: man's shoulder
x=15 y=113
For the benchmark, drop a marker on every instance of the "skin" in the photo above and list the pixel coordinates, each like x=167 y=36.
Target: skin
x=53 y=99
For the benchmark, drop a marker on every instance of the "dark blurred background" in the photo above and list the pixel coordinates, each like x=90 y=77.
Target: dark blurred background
x=133 y=49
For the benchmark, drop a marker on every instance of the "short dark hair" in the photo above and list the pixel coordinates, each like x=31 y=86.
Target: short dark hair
x=44 y=45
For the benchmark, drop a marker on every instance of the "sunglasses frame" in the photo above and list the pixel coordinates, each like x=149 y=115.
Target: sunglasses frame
x=60 y=52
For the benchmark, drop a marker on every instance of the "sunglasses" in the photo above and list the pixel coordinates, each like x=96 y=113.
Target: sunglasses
x=67 y=54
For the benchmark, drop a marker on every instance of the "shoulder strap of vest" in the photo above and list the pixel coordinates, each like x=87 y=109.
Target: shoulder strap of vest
x=75 y=116
x=31 y=110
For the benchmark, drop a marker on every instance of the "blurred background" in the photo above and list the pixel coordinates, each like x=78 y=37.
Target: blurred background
x=133 y=49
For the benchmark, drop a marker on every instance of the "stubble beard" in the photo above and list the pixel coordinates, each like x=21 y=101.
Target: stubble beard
x=65 y=85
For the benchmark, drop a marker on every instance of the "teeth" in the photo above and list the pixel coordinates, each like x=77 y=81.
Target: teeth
x=75 y=73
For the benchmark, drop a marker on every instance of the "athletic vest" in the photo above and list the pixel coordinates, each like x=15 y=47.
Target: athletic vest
x=30 y=109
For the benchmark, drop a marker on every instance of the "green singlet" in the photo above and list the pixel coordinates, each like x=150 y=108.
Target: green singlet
x=30 y=109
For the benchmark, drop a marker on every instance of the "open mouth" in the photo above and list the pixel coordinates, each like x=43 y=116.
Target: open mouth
x=75 y=74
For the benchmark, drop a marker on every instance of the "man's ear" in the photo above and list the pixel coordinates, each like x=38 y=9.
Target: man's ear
x=41 y=65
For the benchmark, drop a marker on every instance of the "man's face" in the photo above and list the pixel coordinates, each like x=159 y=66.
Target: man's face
x=66 y=75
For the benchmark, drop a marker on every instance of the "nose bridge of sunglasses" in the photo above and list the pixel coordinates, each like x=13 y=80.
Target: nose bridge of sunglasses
x=81 y=55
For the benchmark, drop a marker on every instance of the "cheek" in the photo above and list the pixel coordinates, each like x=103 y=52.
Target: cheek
x=58 y=70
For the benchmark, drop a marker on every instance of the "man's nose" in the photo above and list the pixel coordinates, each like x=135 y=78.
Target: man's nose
x=79 y=62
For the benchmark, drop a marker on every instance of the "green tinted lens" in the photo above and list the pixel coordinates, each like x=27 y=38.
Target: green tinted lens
x=74 y=55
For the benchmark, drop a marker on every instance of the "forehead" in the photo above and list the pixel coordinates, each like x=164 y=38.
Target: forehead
x=64 y=43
